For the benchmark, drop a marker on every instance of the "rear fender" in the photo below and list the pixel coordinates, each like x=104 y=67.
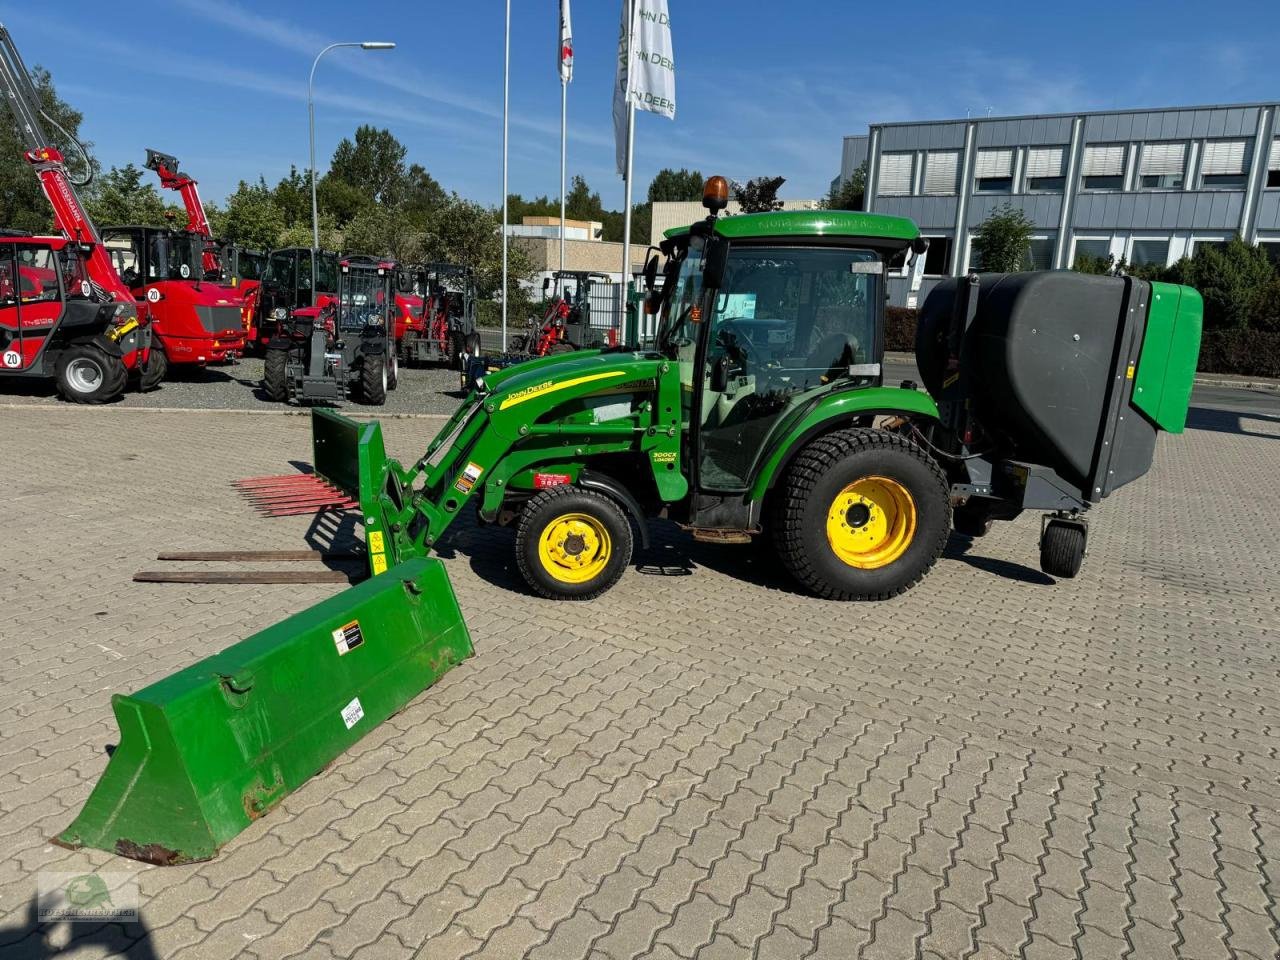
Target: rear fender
x=833 y=412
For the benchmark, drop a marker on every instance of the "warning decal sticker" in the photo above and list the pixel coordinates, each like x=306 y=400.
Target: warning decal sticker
x=348 y=637
x=352 y=713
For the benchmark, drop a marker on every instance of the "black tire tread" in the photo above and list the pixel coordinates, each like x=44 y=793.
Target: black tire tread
x=115 y=373
x=809 y=466
x=1062 y=550
x=371 y=390
x=275 y=375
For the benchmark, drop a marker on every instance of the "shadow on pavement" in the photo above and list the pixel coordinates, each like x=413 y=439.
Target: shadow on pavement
x=31 y=938
x=1231 y=421
x=958 y=548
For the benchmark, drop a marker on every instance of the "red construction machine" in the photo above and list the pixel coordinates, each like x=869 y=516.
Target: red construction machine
x=443 y=326
x=64 y=312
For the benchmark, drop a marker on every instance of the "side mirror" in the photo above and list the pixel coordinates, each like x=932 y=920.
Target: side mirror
x=919 y=245
x=720 y=374
x=651 y=272
x=546 y=285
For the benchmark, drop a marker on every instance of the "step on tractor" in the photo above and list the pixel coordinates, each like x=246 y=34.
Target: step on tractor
x=285 y=289
x=760 y=414
x=64 y=313
x=443 y=331
x=342 y=351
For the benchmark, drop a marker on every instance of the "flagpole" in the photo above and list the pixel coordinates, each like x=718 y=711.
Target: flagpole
x=631 y=132
x=506 y=102
x=564 y=115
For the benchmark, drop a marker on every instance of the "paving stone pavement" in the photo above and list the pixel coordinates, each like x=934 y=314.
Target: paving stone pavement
x=702 y=763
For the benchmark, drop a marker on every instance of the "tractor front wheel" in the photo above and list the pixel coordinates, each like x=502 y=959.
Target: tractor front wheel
x=572 y=544
x=373 y=380
x=393 y=370
x=863 y=516
x=87 y=374
x=156 y=367
x=275 y=375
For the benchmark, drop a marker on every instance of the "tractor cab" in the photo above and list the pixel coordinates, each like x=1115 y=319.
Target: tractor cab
x=196 y=321
x=343 y=349
x=285 y=286
x=240 y=266
x=52 y=317
x=762 y=328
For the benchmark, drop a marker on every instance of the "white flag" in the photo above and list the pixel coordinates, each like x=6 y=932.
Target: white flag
x=649 y=79
x=566 y=43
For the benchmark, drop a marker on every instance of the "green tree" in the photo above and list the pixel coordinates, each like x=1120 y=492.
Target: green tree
x=292 y=196
x=381 y=231
x=1002 y=244
x=466 y=233
x=676 y=185
x=760 y=194
x=120 y=196
x=421 y=195
x=339 y=199
x=580 y=203
x=373 y=164
x=252 y=217
x=849 y=193
x=1233 y=279
x=22 y=202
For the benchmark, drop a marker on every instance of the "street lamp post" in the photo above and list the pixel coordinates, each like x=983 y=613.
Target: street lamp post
x=311 y=122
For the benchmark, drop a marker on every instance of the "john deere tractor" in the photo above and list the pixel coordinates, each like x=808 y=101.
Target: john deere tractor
x=762 y=412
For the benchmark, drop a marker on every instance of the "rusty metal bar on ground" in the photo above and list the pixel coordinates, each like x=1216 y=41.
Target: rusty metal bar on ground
x=245 y=576
x=254 y=555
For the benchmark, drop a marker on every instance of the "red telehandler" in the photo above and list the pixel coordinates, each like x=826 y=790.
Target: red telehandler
x=64 y=312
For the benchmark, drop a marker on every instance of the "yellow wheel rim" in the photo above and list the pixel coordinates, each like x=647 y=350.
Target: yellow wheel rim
x=574 y=548
x=871 y=522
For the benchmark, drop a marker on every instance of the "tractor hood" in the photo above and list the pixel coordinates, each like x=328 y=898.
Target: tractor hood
x=574 y=374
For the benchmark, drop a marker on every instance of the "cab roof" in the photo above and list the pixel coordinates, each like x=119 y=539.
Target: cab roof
x=56 y=243
x=812 y=223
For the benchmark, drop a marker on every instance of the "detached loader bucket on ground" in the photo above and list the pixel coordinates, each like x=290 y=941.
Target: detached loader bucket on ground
x=208 y=750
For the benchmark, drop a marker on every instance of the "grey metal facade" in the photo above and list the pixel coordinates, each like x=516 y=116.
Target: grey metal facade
x=1133 y=214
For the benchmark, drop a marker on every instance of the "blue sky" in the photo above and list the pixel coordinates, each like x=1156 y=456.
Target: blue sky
x=763 y=88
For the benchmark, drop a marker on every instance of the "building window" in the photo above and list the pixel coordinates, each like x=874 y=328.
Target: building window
x=1273 y=164
x=896 y=173
x=937 y=259
x=1272 y=249
x=942 y=173
x=1046 y=168
x=1148 y=253
x=993 y=172
x=1199 y=243
x=1225 y=165
x=1163 y=166
x=1040 y=253
x=1091 y=251
x=1103 y=167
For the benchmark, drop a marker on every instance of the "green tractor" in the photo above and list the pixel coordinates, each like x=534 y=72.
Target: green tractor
x=760 y=413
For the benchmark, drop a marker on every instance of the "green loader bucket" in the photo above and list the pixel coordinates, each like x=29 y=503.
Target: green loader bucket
x=205 y=752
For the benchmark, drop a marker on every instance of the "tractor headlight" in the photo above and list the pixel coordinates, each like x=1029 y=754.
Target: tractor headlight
x=279 y=313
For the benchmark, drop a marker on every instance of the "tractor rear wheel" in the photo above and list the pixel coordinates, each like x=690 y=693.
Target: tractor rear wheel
x=275 y=375
x=87 y=374
x=572 y=544
x=156 y=367
x=864 y=514
x=373 y=380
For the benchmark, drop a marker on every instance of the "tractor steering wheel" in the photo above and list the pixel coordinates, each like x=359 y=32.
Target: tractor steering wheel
x=737 y=346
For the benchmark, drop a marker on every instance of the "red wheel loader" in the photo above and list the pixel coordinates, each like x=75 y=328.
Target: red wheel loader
x=761 y=412
x=64 y=313
x=443 y=329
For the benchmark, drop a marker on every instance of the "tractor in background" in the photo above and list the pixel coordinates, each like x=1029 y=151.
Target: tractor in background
x=342 y=350
x=285 y=288
x=64 y=313
x=444 y=329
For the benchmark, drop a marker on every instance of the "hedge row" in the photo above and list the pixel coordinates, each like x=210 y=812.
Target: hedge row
x=1253 y=353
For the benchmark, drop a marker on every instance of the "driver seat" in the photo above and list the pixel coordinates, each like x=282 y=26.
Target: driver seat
x=830 y=358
